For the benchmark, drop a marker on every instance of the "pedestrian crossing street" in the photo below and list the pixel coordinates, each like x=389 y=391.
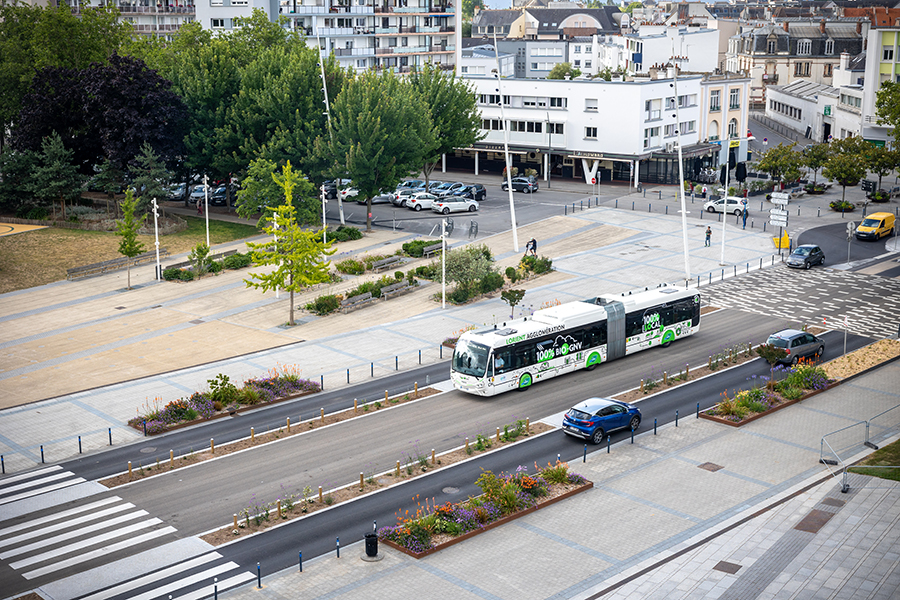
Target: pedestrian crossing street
x=71 y=544
x=869 y=303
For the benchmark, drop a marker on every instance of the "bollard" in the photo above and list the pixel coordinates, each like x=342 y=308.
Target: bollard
x=467 y=444
x=396 y=363
x=659 y=192
x=252 y=435
x=215 y=588
x=337 y=544
x=701 y=214
x=698 y=281
x=371 y=369
x=584 y=459
x=362 y=483
x=171 y=459
x=355 y=405
x=498 y=435
x=676 y=418
x=632 y=436
x=764 y=226
x=322 y=383
x=258 y=577
x=632 y=205
x=441 y=351
x=617 y=203
x=397 y=471
x=110 y=436
x=710 y=277
x=698 y=410
x=234 y=520
x=79 y=444
x=432 y=457
x=760 y=262
x=723 y=275
x=322 y=414
x=212 y=446
x=649 y=207
x=300 y=560
x=420 y=357
x=320 y=494
x=582 y=205
x=819 y=212
x=288 y=424
x=667 y=209
x=528 y=425
x=654 y=426
x=642 y=386
x=608 y=438
x=385 y=396
x=665 y=378
x=278 y=507
x=735 y=270
x=2 y=464
x=129 y=469
x=565 y=209
x=42 y=459
x=687 y=371
x=145 y=427
x=558 y=458
x=416 y=389
x=747 y=270
x=348 y=375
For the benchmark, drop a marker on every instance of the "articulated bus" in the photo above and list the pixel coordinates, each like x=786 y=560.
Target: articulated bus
x=571 y=336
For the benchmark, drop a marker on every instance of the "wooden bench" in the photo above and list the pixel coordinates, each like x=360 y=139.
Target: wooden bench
x=432 y=249
x=187 y=264
x=386 y=263
x=114 y=264
x=395 y=288
x=356 y=301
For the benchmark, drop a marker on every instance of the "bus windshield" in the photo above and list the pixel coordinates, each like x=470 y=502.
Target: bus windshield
x=470 y=358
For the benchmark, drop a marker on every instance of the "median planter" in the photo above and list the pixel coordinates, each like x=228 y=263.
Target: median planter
x=732 y=422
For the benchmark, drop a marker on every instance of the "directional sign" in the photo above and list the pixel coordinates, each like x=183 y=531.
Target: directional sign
x=778 y=212
x=781 y=198
x=778 y=221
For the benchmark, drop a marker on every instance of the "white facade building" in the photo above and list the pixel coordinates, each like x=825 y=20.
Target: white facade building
x=654 y=45
x=481 y=61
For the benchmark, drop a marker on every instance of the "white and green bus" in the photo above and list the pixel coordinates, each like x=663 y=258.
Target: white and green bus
x=571 y=336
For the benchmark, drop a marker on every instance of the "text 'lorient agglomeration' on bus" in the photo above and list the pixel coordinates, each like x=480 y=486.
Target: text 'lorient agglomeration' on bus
x=571 y=336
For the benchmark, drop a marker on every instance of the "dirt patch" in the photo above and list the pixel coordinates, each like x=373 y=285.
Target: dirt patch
x=862 y=359
x=139 y=471
x=317 y=500
x=29 y=596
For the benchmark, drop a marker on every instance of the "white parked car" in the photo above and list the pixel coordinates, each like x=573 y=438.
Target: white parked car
x=420 y=200
x=734 y=205
x=449 y=204
x=348 y=193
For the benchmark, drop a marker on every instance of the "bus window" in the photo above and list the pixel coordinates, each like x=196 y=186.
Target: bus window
x=503 y=361
x=595 y=335
x=470 y=358
x=666 y=315
x=634 y=324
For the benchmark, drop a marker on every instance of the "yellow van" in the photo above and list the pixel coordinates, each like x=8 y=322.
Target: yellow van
x=875 y=226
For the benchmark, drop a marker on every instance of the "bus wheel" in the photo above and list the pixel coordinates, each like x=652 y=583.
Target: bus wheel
x=525 y=381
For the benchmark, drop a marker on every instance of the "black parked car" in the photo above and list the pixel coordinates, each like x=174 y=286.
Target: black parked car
x=806 y=256
x=521 y=184
x=219 y=196
x=475 y=191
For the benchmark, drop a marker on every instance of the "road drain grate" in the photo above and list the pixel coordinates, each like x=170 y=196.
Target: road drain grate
x=727 y=567
x=814 y=521
x=711 y=467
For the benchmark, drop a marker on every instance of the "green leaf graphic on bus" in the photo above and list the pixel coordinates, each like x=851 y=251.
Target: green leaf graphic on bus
x=561 y=345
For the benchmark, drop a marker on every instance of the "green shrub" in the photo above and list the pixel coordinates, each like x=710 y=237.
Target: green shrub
x=542 y=265
x=512 y=274
x=248 y=395
x=352 y=233
x=171 y=273
x=35 y=213
x=216 y=266
x=324 y=304
x=792 y=393
x=459 y=295
x=491 y=282
x=350 y=266
x=411 y=278
x=371 y=259
x=186 y=275
x=398 y=275
x=237 y=261
x=427 y=271
x=841 y=205
x=339 y=236
x=416 y=248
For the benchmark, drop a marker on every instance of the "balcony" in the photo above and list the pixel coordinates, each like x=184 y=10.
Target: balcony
x=734 y=107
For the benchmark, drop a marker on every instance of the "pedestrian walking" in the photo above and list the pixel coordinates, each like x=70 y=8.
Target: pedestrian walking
x=533 y=243
x=744 y=214
x=708 y=236
x=199 y=207
x=527 y=247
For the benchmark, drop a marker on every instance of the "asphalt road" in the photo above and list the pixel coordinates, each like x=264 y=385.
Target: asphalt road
x=833 y=241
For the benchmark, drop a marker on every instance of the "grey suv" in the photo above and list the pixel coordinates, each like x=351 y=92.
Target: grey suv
x=798 y=344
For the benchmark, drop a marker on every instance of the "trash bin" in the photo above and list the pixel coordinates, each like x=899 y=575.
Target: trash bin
x=371 y=544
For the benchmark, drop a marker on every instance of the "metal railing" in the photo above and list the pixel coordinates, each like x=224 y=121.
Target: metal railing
x=846 y=441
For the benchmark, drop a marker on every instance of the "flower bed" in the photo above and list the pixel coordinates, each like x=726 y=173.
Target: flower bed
x=222 y=398
x=504 y=498
x=800 y=382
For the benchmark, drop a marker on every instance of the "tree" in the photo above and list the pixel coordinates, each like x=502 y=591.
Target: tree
x=628 y=9
x=563 y=71
x=512 y=297
x=381 y=132
x=846 y=169
x=469 y=265
x=771 y=354
x=814 y=157
x=110 y=179
x=781 y=162
x=200 y=259
x=455 y=119
x=149 y=177
x=260 y=191
x=15 y=184
x=55 y=176
x=128 y=227
x=298 y=255
x=468 y=8
x=887 y=108
x=882 y=162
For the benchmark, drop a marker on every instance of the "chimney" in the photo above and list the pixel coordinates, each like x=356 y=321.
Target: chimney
x=786 y=26
x=845 y=61
x=858 y=27
x=822 y=26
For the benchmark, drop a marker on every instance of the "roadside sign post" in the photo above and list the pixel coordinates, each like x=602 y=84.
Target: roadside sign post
x=846 y=325
x=851 y=227
x=778 y=217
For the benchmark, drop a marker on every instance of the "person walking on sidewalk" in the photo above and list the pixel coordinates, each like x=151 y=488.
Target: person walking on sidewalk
x=708 y=236
x=527 y=247
x=200 y=207
x=744 y=213
x=533 y=244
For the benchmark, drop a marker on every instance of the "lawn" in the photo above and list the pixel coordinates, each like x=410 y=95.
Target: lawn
x=888 y=456
x=42 y=256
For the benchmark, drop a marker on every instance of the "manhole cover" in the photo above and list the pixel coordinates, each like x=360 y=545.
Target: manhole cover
x=814 y=521
x=196 y=322
x=148 y=450
x=711 y=467
x=450 y=490
x=727 y=567
x=832 y=502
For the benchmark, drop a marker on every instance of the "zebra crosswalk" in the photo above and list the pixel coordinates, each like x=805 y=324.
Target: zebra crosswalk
x=95 y=545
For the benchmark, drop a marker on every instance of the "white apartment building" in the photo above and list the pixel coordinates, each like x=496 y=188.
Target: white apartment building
x=362 y=34
x=623 y=130
x=153 y=18
x=481 y=61
x=654 y=45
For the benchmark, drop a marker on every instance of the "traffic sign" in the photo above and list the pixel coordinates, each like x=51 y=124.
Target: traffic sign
x=778 y=212
x=779 y=198
x=765 y=140
x=593 y=180
x=778 y=221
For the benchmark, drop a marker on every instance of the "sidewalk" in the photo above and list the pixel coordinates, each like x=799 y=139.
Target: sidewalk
x=698 y=511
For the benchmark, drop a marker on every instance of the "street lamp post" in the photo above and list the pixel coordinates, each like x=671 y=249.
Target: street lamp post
x=156 y=243
x=206 y=207
x=330 y=131
x=324 y=224
x=444 y=264
x=509 y=187
x=684 y=235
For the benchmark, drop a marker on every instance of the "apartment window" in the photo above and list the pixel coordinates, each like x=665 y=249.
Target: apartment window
x=652 y=108
x=669 y=130
x=532 y=127
x=804 y=47
x=361 y=63
x=556 y=128
x=734 y=99
x=590 y=104
x=688 y=100
x=577 y=64
x=587 y=64
x=557 y=102
x=670 y=103
x=732 y=128
x=829 y=46
x=587 y=49
x=715 y=102
x=404 y=41
x=801 y=69
x=887 y=53
x=828 y=70
x=650 y=135
x=688 y=127
x=528 y=101
x=217 y=23
x=534 y=66
x=772 y=47
x=590 y=133
x=464 y=69
x=577 y=49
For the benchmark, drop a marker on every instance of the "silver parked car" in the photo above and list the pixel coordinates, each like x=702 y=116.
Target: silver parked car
x=798 y=344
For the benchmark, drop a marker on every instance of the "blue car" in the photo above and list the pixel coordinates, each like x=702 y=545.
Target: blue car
x=596 y=417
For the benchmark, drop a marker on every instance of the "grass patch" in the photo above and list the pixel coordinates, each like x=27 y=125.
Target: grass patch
x=889 y=456
x=42 y=256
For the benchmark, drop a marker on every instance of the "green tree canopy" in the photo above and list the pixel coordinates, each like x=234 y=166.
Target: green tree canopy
x=468 y=8
x=887 y=107
x=882 y=161
x=814 y=157
x=55 y=175
x=128 y=227
x=381 y=132
x=781 y=162
x=149 y=177
x=846 y=169
x=563 y=70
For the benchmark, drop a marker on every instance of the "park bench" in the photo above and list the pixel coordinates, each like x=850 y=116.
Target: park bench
x=114 y=264
x=356 y=301
x=395 y=288
x=386 y=263
x=430 y=250
x=187 y=264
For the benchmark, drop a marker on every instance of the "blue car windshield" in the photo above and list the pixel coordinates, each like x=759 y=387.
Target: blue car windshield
x=470 y=358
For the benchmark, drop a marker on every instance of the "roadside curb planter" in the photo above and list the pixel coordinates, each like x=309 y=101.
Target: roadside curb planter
x=731 y=423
